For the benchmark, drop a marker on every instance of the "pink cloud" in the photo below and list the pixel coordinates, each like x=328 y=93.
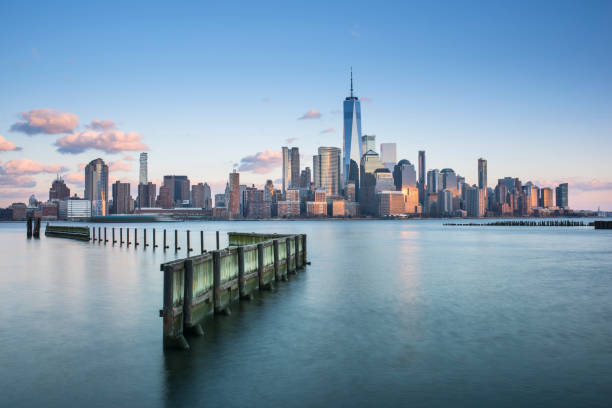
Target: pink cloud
x=101 y=125
x=291 y=140
x=128 y=157
x=27 y=166
x=365 y=99
x=47 y=121
x=112 y=141
x=75 y=178
x=328 y=130
x=6 y=146
x=12 y=180
x=311 y=114
x=119 y=165
x=261 y=162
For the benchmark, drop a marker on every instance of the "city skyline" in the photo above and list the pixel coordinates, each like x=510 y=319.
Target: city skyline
x=416 y=103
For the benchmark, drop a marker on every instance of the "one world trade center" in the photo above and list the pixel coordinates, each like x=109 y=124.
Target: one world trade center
x=351 y=149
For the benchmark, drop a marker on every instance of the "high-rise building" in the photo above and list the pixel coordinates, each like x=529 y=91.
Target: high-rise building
x=388 y=155
x=546 y=197
x=476 y=202
x=404 y=175
x=197 y=195
x=482 y=174
x=351 y=150
x=326 y=167
x=142 y=174
x=146 y=195
x=59 y=190
x=422 y=170
x=390 y=203
x=370 y=163
x=445 y=202
x=295 y=167
x=449 y=181
x=433 y=181
x=96 y=186
x=164 y=200
x=178 y=188
x=121 y=198
x=234 y=199
x=368 y=142
x=561 y=193
x=305 y=178
x=286 y=157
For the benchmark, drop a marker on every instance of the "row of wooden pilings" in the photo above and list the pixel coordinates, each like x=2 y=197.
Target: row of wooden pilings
x=522 y=223
x=102 y=237
x=33 y=227
x=201 y=286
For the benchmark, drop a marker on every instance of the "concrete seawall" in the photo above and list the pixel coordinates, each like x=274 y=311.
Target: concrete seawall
x=197 y=287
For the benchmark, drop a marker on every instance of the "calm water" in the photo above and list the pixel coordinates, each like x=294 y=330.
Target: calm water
x=390 y=313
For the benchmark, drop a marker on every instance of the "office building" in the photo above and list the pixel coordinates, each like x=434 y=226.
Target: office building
x=318 y=207
x=411 y=200
x=305 y=178
x=74 y=209
x=482 y=174
x=143 y=172
x=146 y=195
x=368 y=142
x=388 y=155
x=220 y=201
x=96 y=186
x=404 y=175
x=370 y=163
x=121 y=198
x=164 y=199
x=445 y=202
x=234 y=198
x=59 y=190
x=422 y=171
x=178 y=188
x=351 y=149
x=295 y=167
x=326 y=166
x=546 y=197
x=390 y=203
x=198 y=195
x=433 y=181
x=449 y=181
x=561 y=195
x=384 y=180
x=291 y=168
x=476 y=202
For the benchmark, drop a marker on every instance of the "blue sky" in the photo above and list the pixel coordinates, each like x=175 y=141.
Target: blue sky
x=527 y=85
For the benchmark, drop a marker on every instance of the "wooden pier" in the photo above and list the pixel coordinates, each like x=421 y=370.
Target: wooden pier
x=200 y=286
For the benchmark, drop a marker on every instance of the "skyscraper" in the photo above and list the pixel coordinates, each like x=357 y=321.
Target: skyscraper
x=59 y=190
x=178 y=187
x=421 y=176
x=433 y=181
x=197 y=195
x=234 y=198
x=404 y=175
x=352 y=138
x=388 y=155
x=96 y=186
x=561 y=193
x=368 y=142
x=482 y=174
x=146 y=195
x=142 y=175
x=295 y=167
x=121 y=198
x=327 y=170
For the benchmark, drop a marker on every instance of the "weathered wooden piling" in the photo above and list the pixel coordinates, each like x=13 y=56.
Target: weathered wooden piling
x=144 y=232
x=135 y=237
x=290 y=269
x=105 y=240
x=60 y=231
x=154 y=244
x=93 y=230
x=99 y=234
x=29 y=227
x=200 y=286
x=176 y=247
x=127 y=237
x=602 y=224
x=36 y=228
x=304 y=258
x=113 y=234
x=189 y=248
x=217 y=240
x=201 y=242
x=120 y=236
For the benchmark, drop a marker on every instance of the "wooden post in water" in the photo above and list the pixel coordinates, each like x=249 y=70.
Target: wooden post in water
x=189 y=248
x=288 y=254
x=260 y=265
x=201 y=242
x=241 y=280
x=99 y=234
x=114 y=236
x=105 y=240
x=144 y=231
x=276 y=266
x=37 y=228
x=165 y=246
x=304 y=259
x=296 y=253
x=217 y=240
x=135 y=237
x=217 y=292
x=93 y=230
x=176 y=247
x=154 y=244
x=127 y=236
x=188 y=326
x=121 y=236
x=170 y=340
x=29 y=227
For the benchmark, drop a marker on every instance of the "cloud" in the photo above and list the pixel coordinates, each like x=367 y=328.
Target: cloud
x=261 y=162
x=46 y=121
x=311 y=114
x=328 y=130
x=365 y=99
x=11 y=180
x=27 y=166
x=101 y=125
x=110 y=141
x=128 y=157
x=6 y=146
x=291 y=139
x=119 y=165
x=75 y=178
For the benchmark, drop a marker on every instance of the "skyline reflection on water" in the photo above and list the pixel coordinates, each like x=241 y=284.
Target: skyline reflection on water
x=389 y=313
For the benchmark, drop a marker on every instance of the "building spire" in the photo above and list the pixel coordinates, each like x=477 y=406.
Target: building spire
x=351 y=82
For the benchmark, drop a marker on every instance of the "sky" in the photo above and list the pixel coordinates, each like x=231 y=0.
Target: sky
x=206 y=87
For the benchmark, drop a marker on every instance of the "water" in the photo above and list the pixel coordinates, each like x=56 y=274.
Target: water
x=390 y=313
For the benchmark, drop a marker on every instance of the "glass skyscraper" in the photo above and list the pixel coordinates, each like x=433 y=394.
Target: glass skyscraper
x=351 y=148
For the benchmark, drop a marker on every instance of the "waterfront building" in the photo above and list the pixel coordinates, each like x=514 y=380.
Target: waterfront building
x=326 y=167
x=316 y=209
x=164 y=199
x=142 y=173
x=422 y=170
x=197 y=195
x=146 y=195
x=220 y=201
x=368 y=142
x=531 y=196
x=256 y=206
x=388 y=155
x=404 y=175
x=476 y=202
x=384 y=180
x=305 y=178
x=19 y=211
x=178 y=188
x=338 y=208
x=482 y=173
x=291 y=167
x=411 y=200
x=295 y=168
x=351 y=149
x=121 y=198
x=233 y=209
x=96 y=185
x=449 y=181
x=59 y=190
x=290 y=207
x=546 y=197
x=390 y=203
x=433 y=181
x=74 y=209
x=445 y=202
x=370 y=162
x=561 y=195
x=49 y=211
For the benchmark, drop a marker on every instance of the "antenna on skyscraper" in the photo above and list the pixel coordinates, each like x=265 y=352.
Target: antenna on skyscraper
x=351 y=82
